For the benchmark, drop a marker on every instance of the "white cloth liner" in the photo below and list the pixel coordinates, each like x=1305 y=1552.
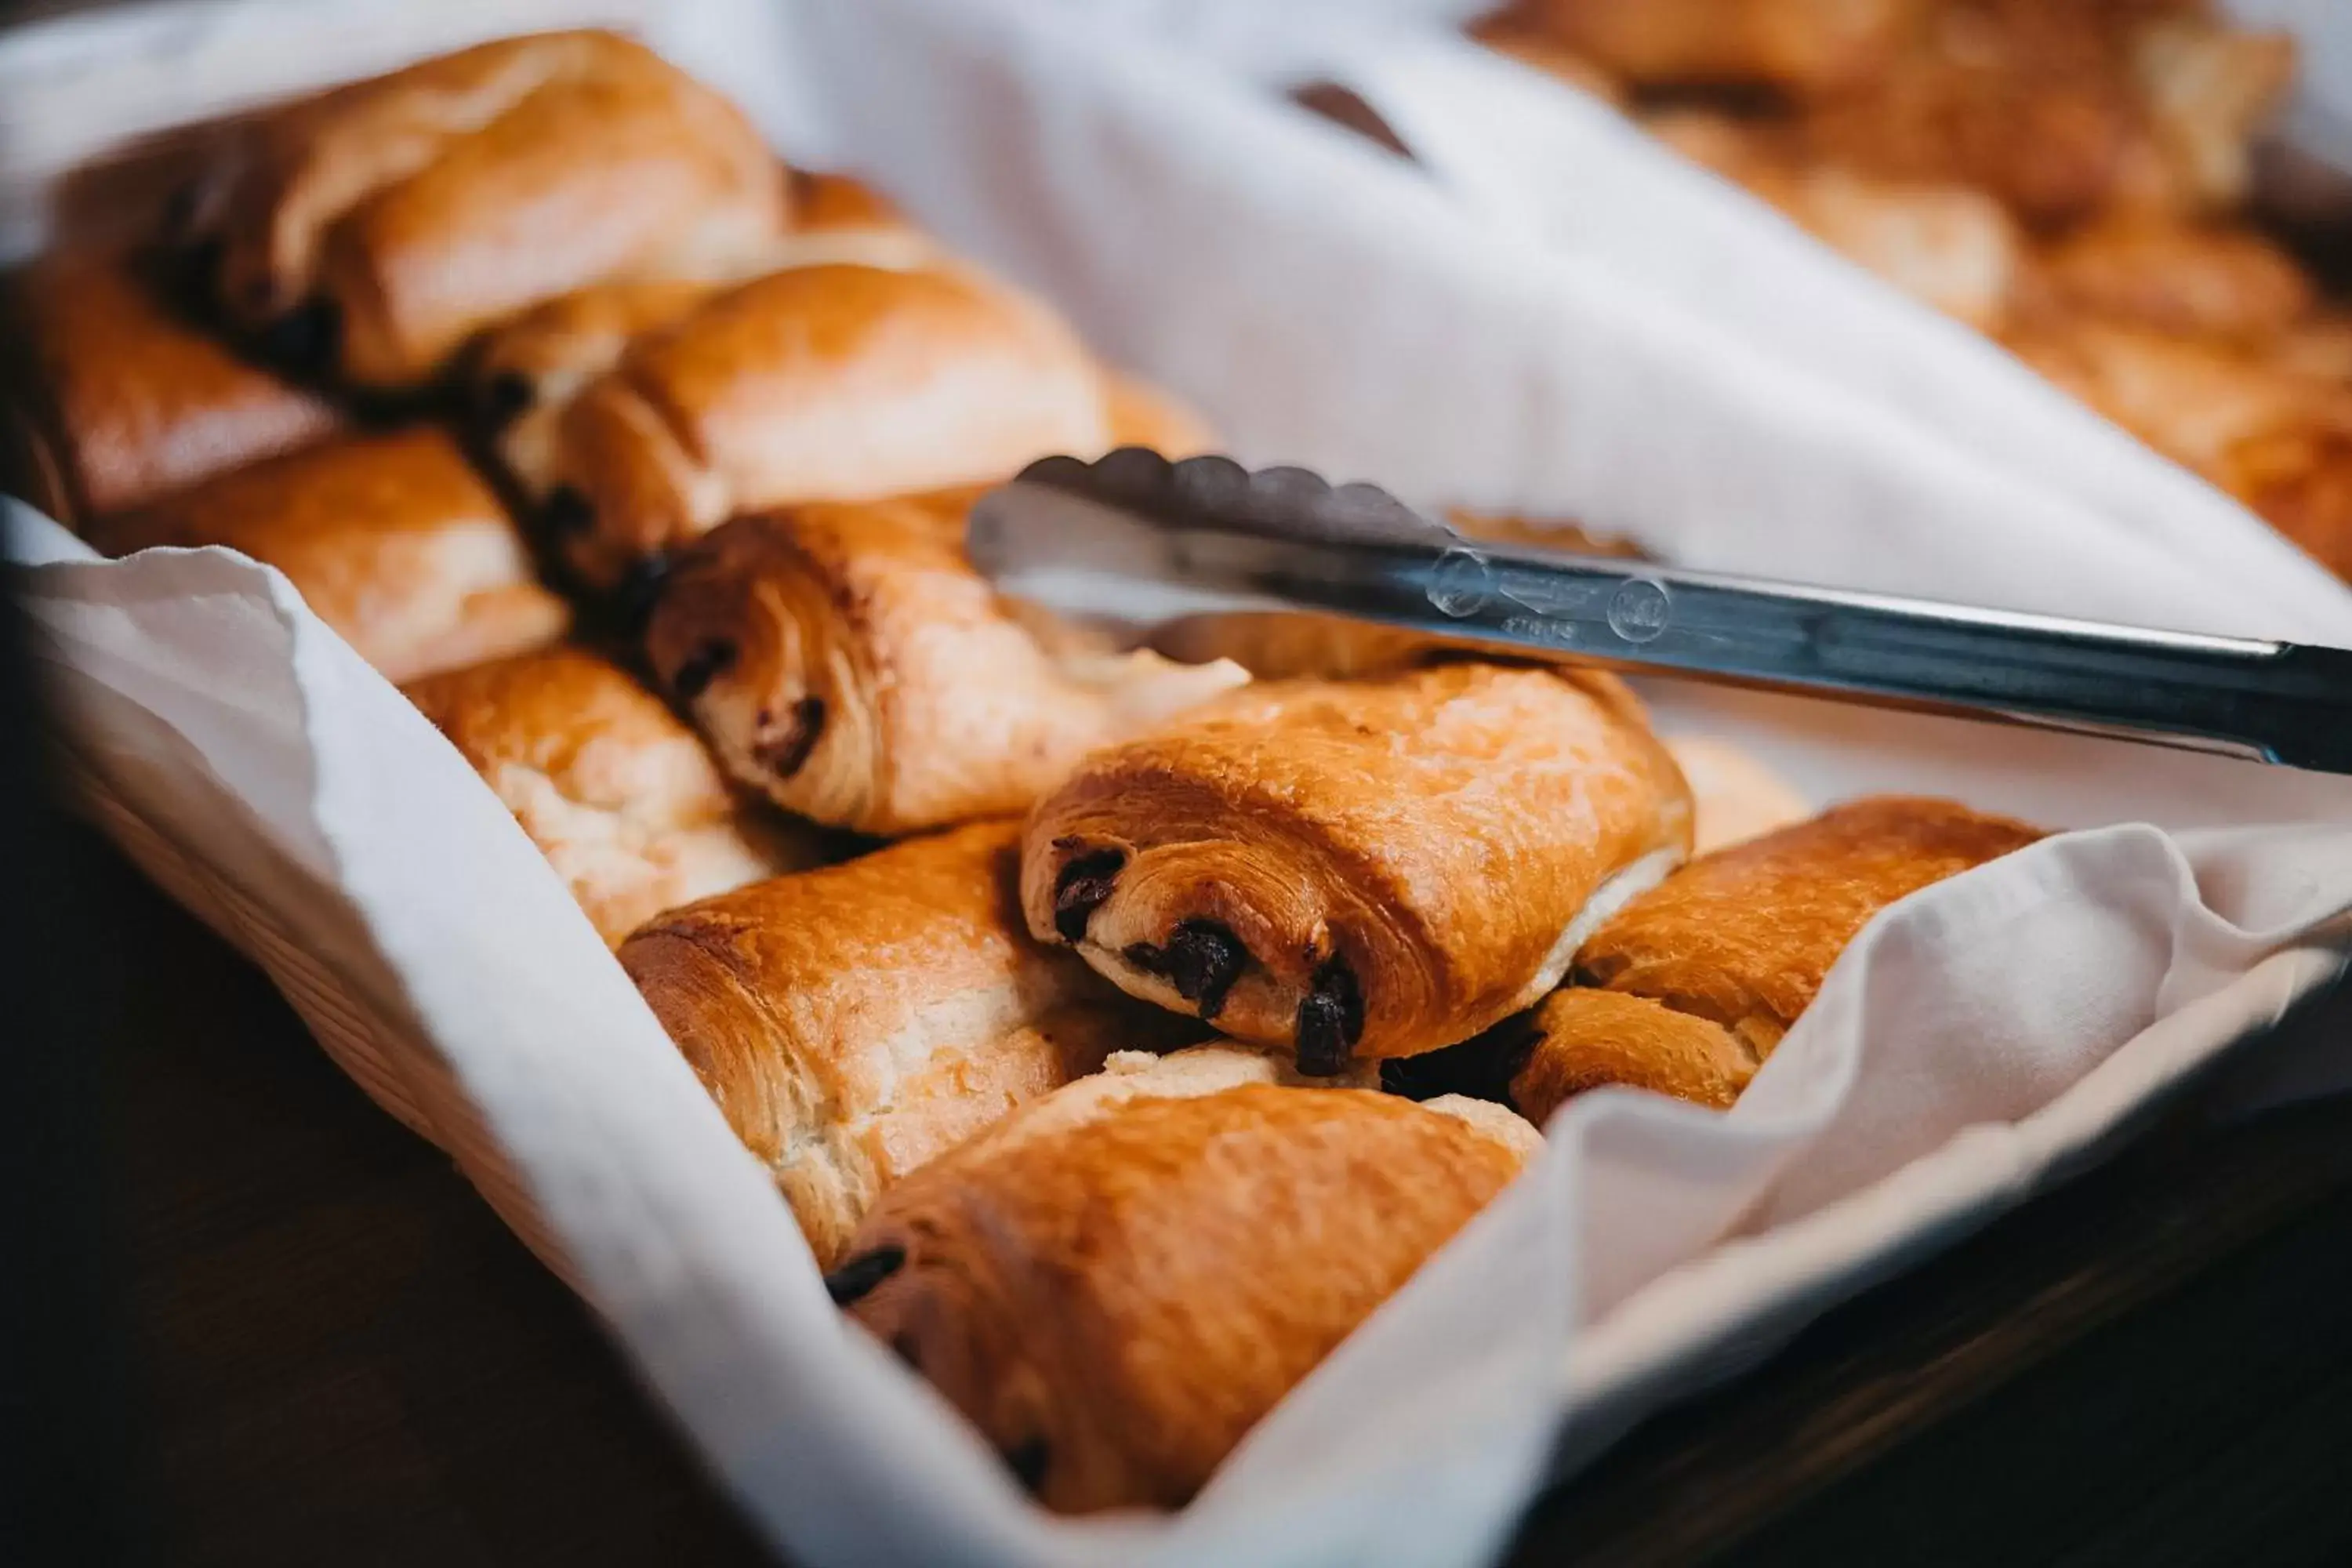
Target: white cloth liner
x=1325 y=304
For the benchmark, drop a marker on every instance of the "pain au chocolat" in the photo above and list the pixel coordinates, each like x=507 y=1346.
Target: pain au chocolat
x=527 y=371
x=393 y=540
x=368 y=232
x=1360 y=869
x=848 y=662
x=619 y=795
x=124 y=399
x=826 y=383
x=1114 y=1288
x=1691 y=985
x=855 y=1021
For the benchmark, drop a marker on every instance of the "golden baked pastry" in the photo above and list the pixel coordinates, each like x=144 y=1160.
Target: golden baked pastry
x=854 y=1022
x=2170 y=276
x=1579 y=1039
x=1724 y=955
x=829 y=382
x=1360 y=868
x=393 y=540
x=369 y=231
x=1801 y=45
x=618 y=795
x=528 y=369
x=848 y=662
x=124 y=401
x=1515 y=36
x=2065 y=110
x=1140 y=415
x=1947 y=245
x=1115 y=1300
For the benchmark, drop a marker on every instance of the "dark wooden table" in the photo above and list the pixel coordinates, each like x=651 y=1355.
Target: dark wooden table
x=339 y=1356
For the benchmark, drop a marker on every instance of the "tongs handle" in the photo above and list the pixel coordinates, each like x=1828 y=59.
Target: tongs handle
x=1221 y=538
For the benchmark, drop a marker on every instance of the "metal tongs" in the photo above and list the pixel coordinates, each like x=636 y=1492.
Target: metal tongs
x=1136 y=539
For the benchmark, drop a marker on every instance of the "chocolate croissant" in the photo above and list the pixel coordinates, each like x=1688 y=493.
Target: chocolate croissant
x=369 y=231
x=528 y=369
x=848 y=662
x=124 y=402
x=618 y=795
x=854 y=1022
x=828 y=383
x=393 y=540
x=1116 y=1299
x=1691 y=985
x=1363 y=868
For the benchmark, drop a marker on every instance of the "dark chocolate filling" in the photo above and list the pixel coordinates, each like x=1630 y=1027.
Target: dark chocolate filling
x=1481 y=1067
x=702 y=667
x=186 y=205
x=567 y=511
x=1080 y=888
x=503 y=398
x=1331 y=1021
x=1201 y=960
x=191 y=282
x=304 y=338
x=785 y=755
x=640 y=586
x=1028 y=1462
x=854 y=1278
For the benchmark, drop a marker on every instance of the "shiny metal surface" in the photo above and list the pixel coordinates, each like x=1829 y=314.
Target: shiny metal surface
x=1135 y=538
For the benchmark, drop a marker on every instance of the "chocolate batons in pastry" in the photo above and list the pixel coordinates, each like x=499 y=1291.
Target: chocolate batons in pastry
x=1362 y=868
x=848 y=662
x=125 y=401
x=855 y=1021
x=527 y=371
x=827 y=383
x=1693 y=983
x=1115 y=1298
x=393 y=540
x=618 y=795
x=367 y=232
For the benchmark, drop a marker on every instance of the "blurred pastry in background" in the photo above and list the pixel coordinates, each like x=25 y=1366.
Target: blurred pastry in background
x=2171 y=275
x=365 y=234
x=2072 y=176
x=1141 y=415
x=1948 y=244
x=2277 y=437
x=393 y=540
x=1509 y=33
x=1802 y=46
x=2065 y=108
x=618 y=795
x=124 y=398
